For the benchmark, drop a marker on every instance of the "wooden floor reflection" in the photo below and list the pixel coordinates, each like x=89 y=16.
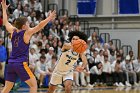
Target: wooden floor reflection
x=88 y=90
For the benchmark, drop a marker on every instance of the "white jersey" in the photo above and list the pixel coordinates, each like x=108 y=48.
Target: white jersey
x=66 y=62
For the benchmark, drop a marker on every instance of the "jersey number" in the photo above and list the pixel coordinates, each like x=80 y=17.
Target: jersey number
x=16 y=41
x=68 y=61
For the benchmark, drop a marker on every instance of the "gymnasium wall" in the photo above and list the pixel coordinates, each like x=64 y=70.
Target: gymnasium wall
x=127 y=37
x=108 y=19
x=70 y=5
x=104 y=7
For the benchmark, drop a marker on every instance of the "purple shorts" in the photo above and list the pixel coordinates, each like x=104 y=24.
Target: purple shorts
x=15 y=70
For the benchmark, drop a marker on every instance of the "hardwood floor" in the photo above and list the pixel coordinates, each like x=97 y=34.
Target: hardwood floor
x=87 y=90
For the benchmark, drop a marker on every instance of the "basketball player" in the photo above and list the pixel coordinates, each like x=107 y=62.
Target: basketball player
x=63 y=72
x=20 y=37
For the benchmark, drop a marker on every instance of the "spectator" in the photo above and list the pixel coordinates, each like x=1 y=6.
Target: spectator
x=112 y=56
x=41 y=71
x=65 y=32
x=44 y=41
x=101 y=56
x=51 y=64
x=136 y=65
x=50 y=39
x=59 y=48
x=55 y=46
x=38 y=6
x=95 y=73
x=128 y=69
x=32 y=17
x=39 y=46
x=70 y=26
x=25 y=11
x=25 y=3
x=53 y=31
x=50 y=54
x=31 y=4
x=121 y=52
x=118 y=58
x=111 y=46
x=98 y=46
x=95 y=38
x=106 y=49
x=106 y=74
x=60 y=33
x=33 y=58
x=34 y=39
x=47 y=46
x=42 y=53
x=83 y=76
x=77 y=26
x=3 y=58
x=118 y=75
x=3 y=52
x=131 y=54
x=93 y=59
x=17 y=12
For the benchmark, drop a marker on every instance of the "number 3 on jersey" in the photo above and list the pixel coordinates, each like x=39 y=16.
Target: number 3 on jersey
x=68 y=61
x=16 y=41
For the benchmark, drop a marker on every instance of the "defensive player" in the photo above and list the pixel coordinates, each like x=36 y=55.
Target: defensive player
x=18 y=60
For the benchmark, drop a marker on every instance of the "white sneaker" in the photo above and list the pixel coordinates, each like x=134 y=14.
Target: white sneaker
x=136 y=84
x=121 y=84
x=139 y=83
x=116 y=84
x=128 y=84
x=60 y=86
x=89 y=85
x=77 y=85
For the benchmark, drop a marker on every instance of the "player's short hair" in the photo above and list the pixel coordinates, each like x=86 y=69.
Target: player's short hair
x=19 y=22
x=81 y=35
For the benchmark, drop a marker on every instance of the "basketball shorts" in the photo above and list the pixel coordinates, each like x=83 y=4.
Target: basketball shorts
x=60 y=78
x=15 y=70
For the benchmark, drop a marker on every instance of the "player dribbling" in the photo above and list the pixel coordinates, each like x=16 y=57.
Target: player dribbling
x=63 y=72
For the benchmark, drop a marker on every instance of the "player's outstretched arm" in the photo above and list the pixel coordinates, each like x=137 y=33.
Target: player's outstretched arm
x=42 y=24
x=66 y=46
x=8 y=26
x=84 y=60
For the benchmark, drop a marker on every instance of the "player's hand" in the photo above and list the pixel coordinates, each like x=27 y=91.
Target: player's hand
x=3 y=3
x=66 y=46
x=52 y=15
x=79 y=69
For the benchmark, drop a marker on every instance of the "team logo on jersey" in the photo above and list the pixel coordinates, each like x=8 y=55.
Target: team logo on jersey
x=75 y=53
x=70 y=57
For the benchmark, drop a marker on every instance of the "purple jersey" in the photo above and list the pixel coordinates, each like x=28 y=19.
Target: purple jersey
x=20 y=50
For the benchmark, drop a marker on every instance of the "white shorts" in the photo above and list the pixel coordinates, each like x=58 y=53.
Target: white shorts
x=57 y=78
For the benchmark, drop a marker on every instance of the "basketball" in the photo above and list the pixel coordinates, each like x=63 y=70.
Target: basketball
x=79 y=46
